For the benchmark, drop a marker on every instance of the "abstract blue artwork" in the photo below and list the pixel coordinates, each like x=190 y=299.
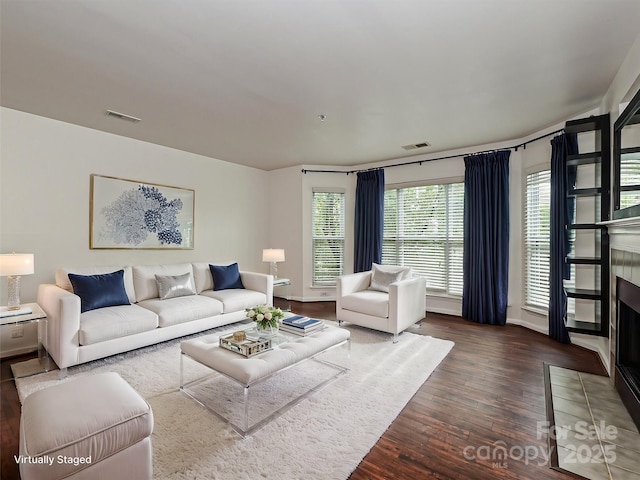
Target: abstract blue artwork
x=131 y=214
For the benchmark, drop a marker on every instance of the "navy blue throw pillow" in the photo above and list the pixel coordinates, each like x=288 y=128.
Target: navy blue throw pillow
x=98 y=291
x=226 y=277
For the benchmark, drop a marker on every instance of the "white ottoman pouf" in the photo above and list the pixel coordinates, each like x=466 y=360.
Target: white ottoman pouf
x=94 y=427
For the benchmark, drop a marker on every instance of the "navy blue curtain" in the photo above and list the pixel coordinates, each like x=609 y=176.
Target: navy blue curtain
x=369 y=219
x=486 y=237
x=562 y=211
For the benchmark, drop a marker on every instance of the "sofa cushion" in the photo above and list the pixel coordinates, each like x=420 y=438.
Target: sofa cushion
x=225 y=277
x=172 y=286
x=115 y=322
x=62 y=277
x=144 y=278
x=182 y=309
x=369 y=302
x=236 y=299
x=202 y=276
x=99 y=291
x=382 y=276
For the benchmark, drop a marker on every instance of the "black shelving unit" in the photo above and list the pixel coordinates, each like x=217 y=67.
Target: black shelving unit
x=601 y=159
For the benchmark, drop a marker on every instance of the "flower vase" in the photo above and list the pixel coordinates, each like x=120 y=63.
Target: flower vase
x=266 y=330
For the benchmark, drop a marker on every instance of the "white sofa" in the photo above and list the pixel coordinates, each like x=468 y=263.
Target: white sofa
x=361 y=303
x=74 y=337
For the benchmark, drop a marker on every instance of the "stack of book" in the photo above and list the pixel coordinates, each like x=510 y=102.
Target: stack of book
x=300 y=325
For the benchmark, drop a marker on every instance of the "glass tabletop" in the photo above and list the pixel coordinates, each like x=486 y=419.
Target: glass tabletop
x=276 y=339
x=281 y=336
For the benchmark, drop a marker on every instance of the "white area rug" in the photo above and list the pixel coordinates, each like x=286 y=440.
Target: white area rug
x=324 y=437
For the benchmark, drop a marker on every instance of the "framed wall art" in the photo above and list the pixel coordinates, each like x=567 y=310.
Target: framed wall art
x=127 y=214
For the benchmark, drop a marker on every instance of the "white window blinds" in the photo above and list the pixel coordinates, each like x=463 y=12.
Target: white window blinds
x=328 y=237
x=423 y=229
x=537 y=236
x=630 y=177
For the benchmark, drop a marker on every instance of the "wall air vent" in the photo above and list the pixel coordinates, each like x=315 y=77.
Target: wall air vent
x=415 y=146
x=123 y=116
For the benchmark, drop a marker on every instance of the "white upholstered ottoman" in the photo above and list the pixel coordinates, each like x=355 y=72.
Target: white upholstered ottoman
x=289 y=351
x=94 y=427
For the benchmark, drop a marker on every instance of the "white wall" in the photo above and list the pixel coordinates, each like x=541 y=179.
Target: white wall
x=285 y=200
x=625 y=83
x=45 y=167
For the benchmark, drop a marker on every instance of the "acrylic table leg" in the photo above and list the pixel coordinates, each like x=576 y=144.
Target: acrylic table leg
x=246 y=408
x=43 y=355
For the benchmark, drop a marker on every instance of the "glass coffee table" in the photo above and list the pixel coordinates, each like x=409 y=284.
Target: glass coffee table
x=248 y=393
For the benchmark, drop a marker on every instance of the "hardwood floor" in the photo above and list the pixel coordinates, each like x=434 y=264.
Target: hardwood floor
x=9 y=418
x=489 y=389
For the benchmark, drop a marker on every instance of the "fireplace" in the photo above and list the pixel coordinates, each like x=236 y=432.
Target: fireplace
x=627 y=378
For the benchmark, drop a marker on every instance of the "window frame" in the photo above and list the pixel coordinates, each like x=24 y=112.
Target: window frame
x=530 y=171
x=328 y=190
x=439 y=292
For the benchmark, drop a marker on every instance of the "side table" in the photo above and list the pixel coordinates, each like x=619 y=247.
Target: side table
x=283 y=284
x=38 y=316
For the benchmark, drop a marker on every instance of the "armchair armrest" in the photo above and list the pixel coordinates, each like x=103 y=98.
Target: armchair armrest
x=63 y=323
x=407 y=302
x=348 y=284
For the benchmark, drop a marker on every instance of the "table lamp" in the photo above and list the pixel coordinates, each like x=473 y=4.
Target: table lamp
x=12 y=266
x=273 y=256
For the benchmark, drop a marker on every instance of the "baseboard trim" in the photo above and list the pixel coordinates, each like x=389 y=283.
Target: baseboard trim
x=604 y=358
x=313 y=299
x=18 y=351
x=445 y=311
x=529 y=325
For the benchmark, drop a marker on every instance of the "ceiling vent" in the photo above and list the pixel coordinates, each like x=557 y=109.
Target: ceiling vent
x=415 y=146
x=123 y=116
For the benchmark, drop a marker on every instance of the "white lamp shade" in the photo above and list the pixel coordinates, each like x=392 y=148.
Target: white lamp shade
x=16 y=264
x=273 y=255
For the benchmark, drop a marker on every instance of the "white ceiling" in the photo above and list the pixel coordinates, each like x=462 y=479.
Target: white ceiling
x=245 y=80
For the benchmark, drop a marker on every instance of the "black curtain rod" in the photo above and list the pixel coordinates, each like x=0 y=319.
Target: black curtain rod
x=420 y=162
x=524 y=145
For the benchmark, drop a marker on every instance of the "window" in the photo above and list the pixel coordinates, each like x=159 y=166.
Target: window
x=423 y=229
x=537 y=235
x=629 y=179
x=328 y=237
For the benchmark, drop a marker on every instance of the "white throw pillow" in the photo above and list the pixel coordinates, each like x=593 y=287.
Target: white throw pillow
x=382 y=276
x=172 y=286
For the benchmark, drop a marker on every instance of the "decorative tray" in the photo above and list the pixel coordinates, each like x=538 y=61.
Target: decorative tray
x=247 y=347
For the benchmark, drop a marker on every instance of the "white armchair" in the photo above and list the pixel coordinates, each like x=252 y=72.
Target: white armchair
x=361 y=299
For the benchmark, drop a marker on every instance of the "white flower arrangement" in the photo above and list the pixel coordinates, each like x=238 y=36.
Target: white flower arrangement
x=265 y=315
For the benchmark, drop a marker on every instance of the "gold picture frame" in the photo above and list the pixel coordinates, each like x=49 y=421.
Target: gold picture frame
x=128 y=214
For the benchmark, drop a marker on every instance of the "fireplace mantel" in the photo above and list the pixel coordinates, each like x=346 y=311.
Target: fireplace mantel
x=622 y=222
x=624 y=234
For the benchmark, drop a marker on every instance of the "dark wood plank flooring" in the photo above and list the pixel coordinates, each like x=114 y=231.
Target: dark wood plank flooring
x=489 y=389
